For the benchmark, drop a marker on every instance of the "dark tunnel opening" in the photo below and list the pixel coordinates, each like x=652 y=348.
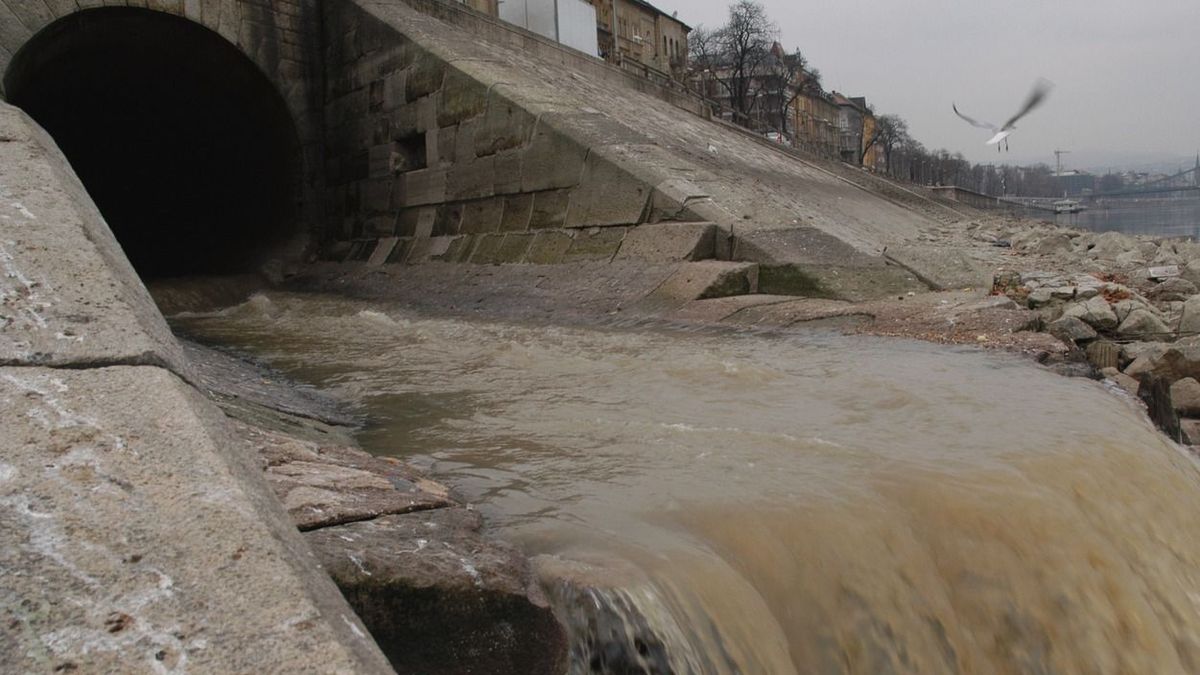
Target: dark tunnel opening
x=185 y=146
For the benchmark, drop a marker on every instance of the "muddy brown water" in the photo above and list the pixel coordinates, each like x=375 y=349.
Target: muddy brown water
x=799 y=503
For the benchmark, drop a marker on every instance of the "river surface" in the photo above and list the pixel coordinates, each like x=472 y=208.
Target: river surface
x=799 y=503
x=1148 y=216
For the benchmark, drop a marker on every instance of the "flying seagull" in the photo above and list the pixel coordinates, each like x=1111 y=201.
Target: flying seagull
x=1040 y=89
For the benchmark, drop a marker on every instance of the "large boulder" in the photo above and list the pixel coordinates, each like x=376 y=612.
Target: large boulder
x=1189 y=322
x=1175 y=288
x=1185 y=395
x=1110 y=245
x=1142 y=324
x=1095 y=311
x=439 y=597
x=1071 y=329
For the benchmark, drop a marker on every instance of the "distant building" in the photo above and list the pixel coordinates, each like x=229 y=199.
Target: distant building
x=815 y=124
x=645 y=37
x=648 y=41
x=568 y=22
x=856 y=126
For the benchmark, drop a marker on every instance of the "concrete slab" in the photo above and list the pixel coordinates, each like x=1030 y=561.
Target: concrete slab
x=68 y=296
x=669 y=242
x=701 y=280
x=139 y=536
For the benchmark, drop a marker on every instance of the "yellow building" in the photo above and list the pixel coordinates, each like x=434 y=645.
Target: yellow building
x=815 y=124
x=646 y=36
x=873 y=157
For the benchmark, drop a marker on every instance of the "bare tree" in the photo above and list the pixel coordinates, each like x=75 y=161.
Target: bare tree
x=785 y=79
x=735 y=54
x=890 y=131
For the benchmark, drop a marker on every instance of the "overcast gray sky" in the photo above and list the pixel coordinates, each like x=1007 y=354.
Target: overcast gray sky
x=1127 y=73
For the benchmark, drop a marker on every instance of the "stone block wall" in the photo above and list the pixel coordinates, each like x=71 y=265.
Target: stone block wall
x=427 y=162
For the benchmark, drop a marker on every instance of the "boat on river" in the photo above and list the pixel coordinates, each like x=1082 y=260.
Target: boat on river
x=1067 y=206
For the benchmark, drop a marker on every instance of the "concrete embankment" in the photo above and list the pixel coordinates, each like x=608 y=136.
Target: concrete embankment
x=138 y=532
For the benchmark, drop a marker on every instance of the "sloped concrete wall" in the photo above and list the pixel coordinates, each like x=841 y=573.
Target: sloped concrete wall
x=138 y=534
x=446 y=143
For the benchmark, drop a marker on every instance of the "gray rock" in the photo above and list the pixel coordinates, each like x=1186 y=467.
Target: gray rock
x=1051 y=244
x=1189 y=321
x=1110 y=245
x=323 y=485
x=1095 y=311
x=1071 y=329
x=1125 y=382
x=1131 y=351
x=1129 y=259
x=1173 y=362
x=1172 y=289
x=1144 y=325
x=1039 y=298
x=1185 y=395
x=441 y=598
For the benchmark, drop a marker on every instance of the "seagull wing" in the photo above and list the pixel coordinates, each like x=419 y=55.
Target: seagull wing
x=1040 y=89
x=975 y=123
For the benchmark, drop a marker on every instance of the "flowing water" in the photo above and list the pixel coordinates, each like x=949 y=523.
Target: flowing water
x=1149 y=216
x=783 y=503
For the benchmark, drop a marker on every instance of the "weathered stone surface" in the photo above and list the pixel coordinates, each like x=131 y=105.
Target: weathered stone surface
x=1174 y=362
x=1175 y=288
x=1185 y=395
x=1125 y=382
x=552 y=160
x=426 y=186
x=1071 y=329
x=597 y=243
x=549 y=209
x=139 y=534
x=1103 y=354
x=505 y=125
x=441 y=598
x=482 y=215
x=1191 y=431
x=669 y=242
x=943 y=268
x=1110 y=245
x=471 y=179
x=1142 y=324
x=607 y=195
x=323 y=485
x=68 y=296
x=548 y=247
x=1095 y=311
x=460 y=98
x=702 y=280
x=517 y=210
x=1189 y=322
x=383 y=251
x=487 y=249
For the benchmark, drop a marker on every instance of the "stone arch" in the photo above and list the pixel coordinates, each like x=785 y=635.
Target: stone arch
x=190 y=132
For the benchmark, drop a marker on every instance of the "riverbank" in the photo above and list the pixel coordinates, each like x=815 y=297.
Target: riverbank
x=1101 y=305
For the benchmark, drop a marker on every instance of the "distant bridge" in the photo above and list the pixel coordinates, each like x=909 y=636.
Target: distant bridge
x=1184 y=181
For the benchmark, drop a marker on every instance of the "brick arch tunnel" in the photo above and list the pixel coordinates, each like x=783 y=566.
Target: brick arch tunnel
x=184 y=144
